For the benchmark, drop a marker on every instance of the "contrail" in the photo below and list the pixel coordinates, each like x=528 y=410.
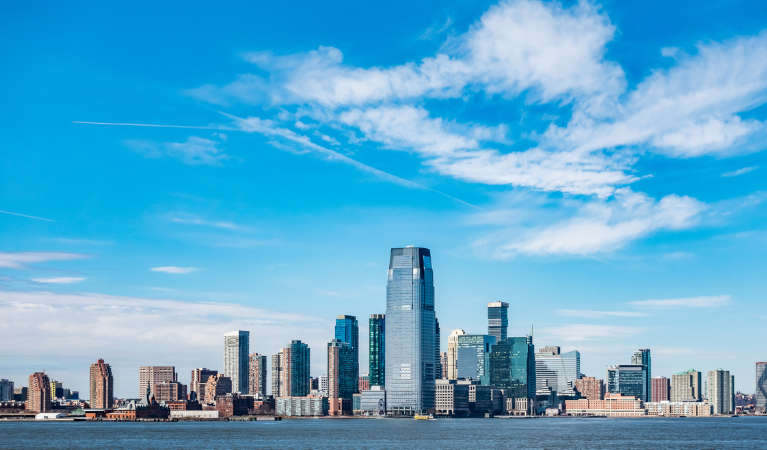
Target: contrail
x=11 y=213
x=157 y=125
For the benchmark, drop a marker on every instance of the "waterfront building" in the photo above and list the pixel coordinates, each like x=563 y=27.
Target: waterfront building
x=148 y=376
x=627 y=379
x=498 y=320
x=512 y=367
x=437 y=355
x=6 y=390
x=590 y=388
x=557 y=370
x=169 y=391
x=341 y=380
x=198 y=379
x=443 y=364
x=451 y=398
x=474 y=357
x=257 y=375
x=760 y=398
x=661 y=389
x=687 y=386
x=57 y=389
x=363 y=384
x=233 y=405
x=373 y=401
x=452 y=353
x=216 y=386
x=679 y=409
x=347 y=330
x=301 y=406
x=377 y=349
x=39 y=393
x=613 y=405
x=642 y=358
x=295 y=370
x=410 y=327
x=277 y=375
x=324 y=385
x=101 y=386
x=720 y=391
x=236 y=350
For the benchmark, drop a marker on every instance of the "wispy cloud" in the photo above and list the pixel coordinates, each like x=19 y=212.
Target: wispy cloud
x=195 y=220
x=594 y=314
x=58 y=280
x=587 y=332
x=26 y=216
x=176 y=270
x=194 y=151
x=741 y=171
x=21 y=259
x=687 y=302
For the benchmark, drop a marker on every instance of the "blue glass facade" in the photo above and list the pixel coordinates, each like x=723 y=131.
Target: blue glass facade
x=377 y=350
x=341 y=380
x=498 y=320
x=298 y=367
x=627 y=379
x=474 y=357
x=642 y=358
x=410 y=332
x=347 y=330
x=512 y=367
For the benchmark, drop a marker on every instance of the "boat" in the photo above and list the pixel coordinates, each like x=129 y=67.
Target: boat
x=423 y=417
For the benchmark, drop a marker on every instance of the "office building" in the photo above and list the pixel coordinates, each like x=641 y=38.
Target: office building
x=760 y=398
x=39 y=393
x=377 y=349
x=277 y=375
x=148 y=376
x=257 y=375
x=687 y=386
x=679 y=409
x=410 y=327
x=720 y=395
x=641 y=357
x=373 y=401
x=324 y=385
x=301 y=406
x=216 y=386
x=6 y=390
x=661 y=389
x=613 y=405
x=347 y=330
x=57 y=389
x=294 y=370
x=169 y=391
x=512 y=367
x=498 y=320
x=451 y=398
x=437 y=356
x=473 y=357
x=198 y=379
x=363 y=384
x=341 y=380
x=102 y=386
x=452 y=353
x=443 y=364
x=627 y=379
x=590 y=388
x=236 y=350
x=557 y=370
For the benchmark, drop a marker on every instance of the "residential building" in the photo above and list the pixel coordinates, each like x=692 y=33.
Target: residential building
x=557 y=370
x=498 y=320
x=642 y=358
x=451 y=398
x=687 y=386
x=452 y=353
x=760 y=398
x=661 y=389
x=410 y=327
x=341 y=380
x=236 y=350
x=347 y=330
x=277 y=375
x=473 y=357
x=216 y=386
x=102 y=386
x=39 y=393
x=613 y=405
x=512 y=367
x=373 y=401
x=377 y=349
x=57 y=389
x=324 y=385
x=233 y=405
x=590 y=388
x=301 y=406
x=685 y=409
x=148 y=376
x=257 y=375
x=169 y=391
x=443 y=364
x=6 y=390
x=363 y=384
x=720 y=391
x=627 y=379
x=198 y=380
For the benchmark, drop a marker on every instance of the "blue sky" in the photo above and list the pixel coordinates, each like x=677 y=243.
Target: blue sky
x=598 y=165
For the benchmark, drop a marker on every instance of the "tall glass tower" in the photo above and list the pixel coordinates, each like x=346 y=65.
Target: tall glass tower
x=512 y=366
x=410 y=333
x=474 y=357
x=236 y=360
x=760 y=399
x=347 y=330
x=377 y=347
x=498 y=320
x=641 y=357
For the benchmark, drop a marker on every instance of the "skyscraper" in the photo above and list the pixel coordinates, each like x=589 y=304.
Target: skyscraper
x=443 y=364
x=760 y=399
x=627 y=379
x=102 y=386
x=686 y=386
x=39 y=393
x=6 y=390
x=257 y=375
x=198 y=380
x=410 y=325
x=557 y=370
x=642 y=357
x=590 y=388
x=661 y=389
x=452 y=353
x=720 y=387
x=437 y=358
x=498 y=320
x=474 y=357
x=341 y=380
x=148 y=376
x=236 y=349
x=277 y=375
x=294 y=368
x=347 y=330
x=377 y=350
x=512 y=366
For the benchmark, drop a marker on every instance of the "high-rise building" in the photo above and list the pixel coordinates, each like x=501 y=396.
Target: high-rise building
x=410 y=326
x=236 y=349
x=687 y=386
x=512 y=367
x=661 y=389
x=760 y=398
x=57 y=389
x=294 y=370
x=364 y=383
x=642 y=357
x=102 y=386
x=277 y=375
x=443 y=364
x=452 y=353
x=39 y=393
x=474 y=357
x=557 y=370
x=720 y=387
x=148 y=376
x=216 y=386
x=377 y=350
x=198 y=380
x=590 y=388
x=627 y=379
x=498 y=320
x=347 y=330
x=6 y=390
x=324 y=385
x=169 y=391
x=341 y=380
x=257 y=375
x=437 y=358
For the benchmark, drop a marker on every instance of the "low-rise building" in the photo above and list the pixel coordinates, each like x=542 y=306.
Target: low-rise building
x=613 y=405
x=373 y=401
x=194 y=414
x=520 y=406
x=678 y=409
x=302 y=406
x=451 y=398
x=233 y=405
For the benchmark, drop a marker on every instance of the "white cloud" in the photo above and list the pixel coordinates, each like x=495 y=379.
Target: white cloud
x=194 y=151
x=20 y=259
x=594 y=314
x=176 y=270
x=688 y=302
x=188 y=219
x=739 y=172
x=587 y=332
x=59 y=280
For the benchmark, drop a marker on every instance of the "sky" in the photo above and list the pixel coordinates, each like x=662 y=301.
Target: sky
x=174 y=171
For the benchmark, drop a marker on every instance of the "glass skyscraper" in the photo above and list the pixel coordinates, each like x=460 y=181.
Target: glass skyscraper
x=498 y=320
x=236 y=360
x=627 y=379
x=347 y=330
x=760 y=399
x=410 y=332
x=642 y=357
x=557 y=370
x=341 y=380
x=512 y=366
x=297 y=369
x=474 y=357
x=377 y=350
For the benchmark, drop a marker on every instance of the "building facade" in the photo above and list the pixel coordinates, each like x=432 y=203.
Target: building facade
x=6 y=390
x=661 y=389
x=720 y=391
x=590 y=388
x=498 y=320
x=148 y=376
x=277 y=375
x=437 y=355
x=760 y=398
x=642 y=358
x=101 y=386
x=347 y=330
x=236 y=350
x=39 y=393
x=301 y=406
x=373 y=401
x=410 y=326
x=198 y=379
x=342 y=383
x=474 y=357
x=557 y=370
x=686 y=386
x=627 y=379
x=169 y=391
x=451 y=398
x=443 y=364
x=257 y=375
x=613 y=405
x=377 y=349
x=452 y=353
x=216 y=386
x=295 y=370
x=512 y=367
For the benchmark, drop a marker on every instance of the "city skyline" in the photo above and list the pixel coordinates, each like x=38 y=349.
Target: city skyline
x=253 y=174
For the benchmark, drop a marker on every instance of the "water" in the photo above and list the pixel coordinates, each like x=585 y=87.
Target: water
x=701 y=433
